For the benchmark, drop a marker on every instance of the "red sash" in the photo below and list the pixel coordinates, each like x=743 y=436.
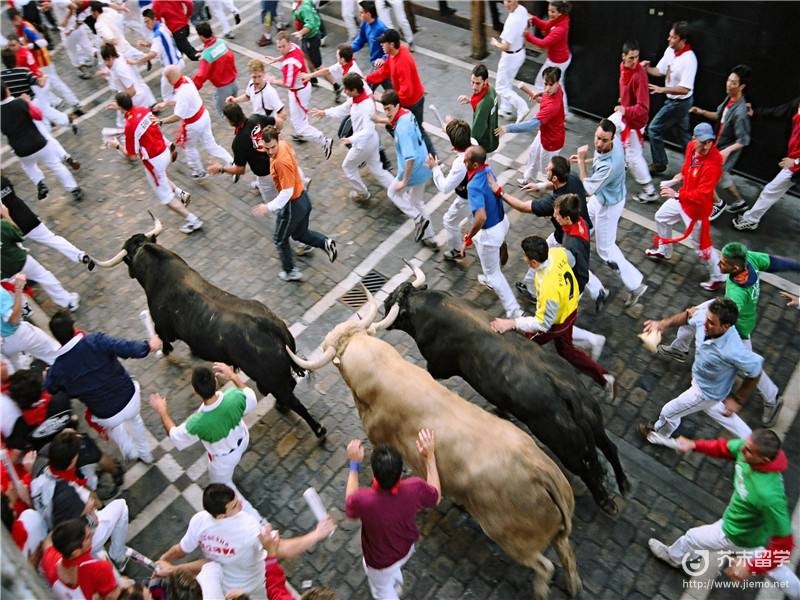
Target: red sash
x=180 y=141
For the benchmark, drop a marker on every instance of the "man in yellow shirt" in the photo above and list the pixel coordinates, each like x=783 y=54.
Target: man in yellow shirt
x=557 y=308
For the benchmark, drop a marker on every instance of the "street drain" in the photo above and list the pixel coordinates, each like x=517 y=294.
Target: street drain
x=355 y=298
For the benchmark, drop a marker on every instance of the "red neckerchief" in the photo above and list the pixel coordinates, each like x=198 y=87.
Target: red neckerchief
x=741 y=278
x=180 y=82
x=209 y=41
x=37 y=413
x=476 y=98
x=393 y=491
x=361 y=97
x=400 y=112
x=69 y=475
x=626 y=73
x=686 y=48
x=74 y=562
x=346 y=67
x=471 y=174
x=577 y=230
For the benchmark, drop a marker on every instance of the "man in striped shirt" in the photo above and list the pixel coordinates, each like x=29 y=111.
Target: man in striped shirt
x=162 y=47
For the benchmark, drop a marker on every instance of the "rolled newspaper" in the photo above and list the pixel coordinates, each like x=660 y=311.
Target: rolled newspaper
x=438 y=116
x=150 y=327
x=651 y=340
x=315 y=504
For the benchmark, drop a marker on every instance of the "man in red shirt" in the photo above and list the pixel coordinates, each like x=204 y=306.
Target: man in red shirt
x=143 y=138
x=692 y=205
x=175 y=15
x=630 y=117
x=68 y=564
x=401 y=69
x=217 y=65
x=388 y=510
x=555 y=42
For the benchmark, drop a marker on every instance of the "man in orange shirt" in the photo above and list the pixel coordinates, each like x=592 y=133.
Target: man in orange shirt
x=292 y=205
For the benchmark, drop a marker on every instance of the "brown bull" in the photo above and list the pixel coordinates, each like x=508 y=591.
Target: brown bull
x=516 y=492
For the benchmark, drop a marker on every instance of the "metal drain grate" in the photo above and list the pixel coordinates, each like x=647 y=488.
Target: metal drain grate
x=355 y=298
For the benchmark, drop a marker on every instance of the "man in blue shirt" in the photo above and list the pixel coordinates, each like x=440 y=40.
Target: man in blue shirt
x=719 y=355
x=606 y=200
x=489 y=228
x=408 y=188
x=371 y=30
x=87 y=367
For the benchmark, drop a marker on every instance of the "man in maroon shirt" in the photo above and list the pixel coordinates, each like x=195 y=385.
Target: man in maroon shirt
x=388 y=510
x=175 y=15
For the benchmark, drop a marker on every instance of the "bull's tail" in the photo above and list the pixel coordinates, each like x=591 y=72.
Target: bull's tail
x=298 y=371
x=561 y=542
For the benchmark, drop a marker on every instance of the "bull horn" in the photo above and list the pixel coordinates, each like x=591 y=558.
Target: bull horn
x=312 y=365
x=157 y=226
x=419 y=275
x=387 y=321
x=372 y=311
x=111 y=262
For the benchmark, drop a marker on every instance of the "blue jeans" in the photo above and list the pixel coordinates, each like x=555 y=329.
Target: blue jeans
x=292 y=222
x=674 y=113
x=223 y=92
x=269 y=7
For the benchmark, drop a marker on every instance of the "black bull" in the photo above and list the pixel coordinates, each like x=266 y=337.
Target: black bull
x=216 y=325
x=514 y=374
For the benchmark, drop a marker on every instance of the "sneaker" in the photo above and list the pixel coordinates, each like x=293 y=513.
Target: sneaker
x=323 y=41
x=77 y=194
x=327 y=147
x=72 y=124
x=41 y=191
x=610 y=387
x=422 y=223
x=712 y=285
x=358 y=196
x=190 y=226
x=330 y=249
x=522 y=290
x=236 y=18
x=743 y=224
x=72 y=163
x=147 y=459
x=645 y=198
x=254 y=185
x=303 y=249
x=600 y=303
x=184 y=196
x=484 y=282
x=597 y=346
x=307 y=183
x=633 y=297
x=293 y=275
x=646 y=428
x=264 y=40
x=523 y=181
x=88 y=261
x=717 y=211
x=121 y=564
x=299 y=139
x=430 y=243
x=656 y=169
x=661 y=551
x=230 y=36
x=74 y=302
x=668 y=351
x=736 y=207
x=656 y=254
x=452 y=255
x=173 y=153
x=77 y=110
x=199 y=175
x=770 y=413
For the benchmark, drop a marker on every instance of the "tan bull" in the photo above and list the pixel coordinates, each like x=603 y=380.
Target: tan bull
x=517 y=493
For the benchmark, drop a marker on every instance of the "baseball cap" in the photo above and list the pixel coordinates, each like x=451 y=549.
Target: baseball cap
x=390 y=35
x=703 y=132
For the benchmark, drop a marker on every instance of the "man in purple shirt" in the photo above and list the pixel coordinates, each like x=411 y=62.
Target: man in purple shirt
x=388 y=510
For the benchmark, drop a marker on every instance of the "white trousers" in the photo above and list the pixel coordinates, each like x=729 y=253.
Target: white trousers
x=605 y=220
x=411 y=201
x=44 y=236
x=78 y=46
x=487 y=245
x=692 y=401
x=367 y=152
x=538 y=157
x=299 y=103
x=538 y=83
x=711 y=537
x=221 y=468
x=51 y=158
x=669 y=214
x=386 y=583
x=199 y=134
x=127 y=429
x=222 y=10
x=771 y=193
x=634 y=157
x=349 y=18
x=266 y=187
x=112 y=525
x=507 y=69
x=55 y=84
x=56 y=117
x=399 y=14
x=34 y=270
x=29 y=338
x=163 y=188
x=453 y=216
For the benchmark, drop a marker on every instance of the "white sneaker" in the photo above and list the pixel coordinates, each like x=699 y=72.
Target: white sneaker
x=293 y=275
x=610 y=387
x=523 y=181
x=485 y=282
x=189 y=226
x=358 y=196
x=184 y=196
x=302 y=249
x=74 y=302
x=598 y=343
x=254 y=185
x=661 y=551
x=199 y=175
x=327 y=147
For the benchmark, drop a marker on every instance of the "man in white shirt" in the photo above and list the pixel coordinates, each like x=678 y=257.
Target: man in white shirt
x=264 y=99
x=195 y=123
x=161 y=46
x=75 y=35
x=233 y=544
x=218 y=423
x=124 y=78
x=678 y=66
x=108 y=25
x=512 y=46
x=364 y=139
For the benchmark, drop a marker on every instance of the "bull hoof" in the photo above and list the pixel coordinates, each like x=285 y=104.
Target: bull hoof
x=613 y=505
x=626 y=488
x=281 y=407
x=321 y=433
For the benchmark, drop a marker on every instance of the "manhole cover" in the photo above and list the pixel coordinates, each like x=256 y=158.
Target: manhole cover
x=355 y=298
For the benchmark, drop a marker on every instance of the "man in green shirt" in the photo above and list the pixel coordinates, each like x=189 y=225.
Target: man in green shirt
x=743 y=286
x=756 y=524
x=218 y=423
x=307 y=17
x=484 y=105
x=15 y=259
